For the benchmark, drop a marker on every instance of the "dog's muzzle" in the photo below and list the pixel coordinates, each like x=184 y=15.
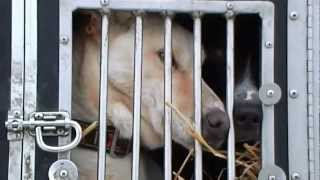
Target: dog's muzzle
x=215 y=126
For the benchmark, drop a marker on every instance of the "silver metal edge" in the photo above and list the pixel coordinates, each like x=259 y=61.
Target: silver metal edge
x=297 y=80
x=267 y=76
x=168 y=98
x=313 y=87
x=197 y=92
x=177 y=6
x=30 y=89
x=17 y=82
x=230 y=97
x=138 y=48
x=103 y=98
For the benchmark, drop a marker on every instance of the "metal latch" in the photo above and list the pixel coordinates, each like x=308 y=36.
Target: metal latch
x=40 y=122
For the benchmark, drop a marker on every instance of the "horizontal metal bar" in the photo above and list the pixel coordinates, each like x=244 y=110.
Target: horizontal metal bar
x=138 y=48
x=197 y=92
x=260 y=7
x=103 y=98
x=168 y=98
x=230 y=96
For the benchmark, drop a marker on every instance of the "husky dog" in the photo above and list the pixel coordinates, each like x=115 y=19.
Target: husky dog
x=86 y=74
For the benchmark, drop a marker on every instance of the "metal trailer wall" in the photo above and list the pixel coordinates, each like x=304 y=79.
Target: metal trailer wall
x=48 y=42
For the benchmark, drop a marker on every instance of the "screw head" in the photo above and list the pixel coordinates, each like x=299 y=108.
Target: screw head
x=104 y=2
x=16 y=113
x=63 y=173
x=64 y=39
x=272 y=178
x=229 y=14
x=229 y=5
x=38 y=115
x=293 y=93
x=268 y=44
x=294 y=15
x=270 y=93
x=295 y=176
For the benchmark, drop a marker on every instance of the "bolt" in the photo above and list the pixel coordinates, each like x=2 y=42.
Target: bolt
x=268 y=44
x=270 y=93
x=293 y=93
x=229 y=14
x=63 y=173
x=64 y=39
x=295 y=176
x=104 y=2
x=272 y=178
x=16 y=113
x=229 y=6
x=294 y=15
x=60 y=131
x=38 y=116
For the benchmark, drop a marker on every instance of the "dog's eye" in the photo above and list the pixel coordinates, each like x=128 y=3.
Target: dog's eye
x=161 y=55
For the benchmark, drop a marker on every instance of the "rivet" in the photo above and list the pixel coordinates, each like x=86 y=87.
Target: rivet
x=293 y=93
x=294 y=15
x=229 y=14
x=16 y=113
x=63 y=173
x=295 y=176
x=268 y=44
x=229 y=5
x=272 y=178
x=38 y=116
x=270 y=93
x=64 y=39
x=104 y=2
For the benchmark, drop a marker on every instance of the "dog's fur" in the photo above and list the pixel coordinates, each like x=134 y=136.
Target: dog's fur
x=120 y=86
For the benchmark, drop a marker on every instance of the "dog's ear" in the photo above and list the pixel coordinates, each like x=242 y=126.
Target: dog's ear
x=123 y=19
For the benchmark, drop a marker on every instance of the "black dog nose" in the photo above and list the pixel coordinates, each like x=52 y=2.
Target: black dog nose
x=215 y=124
x=217 y=119
x=248 y=115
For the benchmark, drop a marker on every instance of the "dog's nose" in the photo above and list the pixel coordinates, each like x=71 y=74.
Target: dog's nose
x=248 y=115
x=215 y=125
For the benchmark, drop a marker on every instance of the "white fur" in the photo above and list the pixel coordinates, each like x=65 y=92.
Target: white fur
x=120 y=84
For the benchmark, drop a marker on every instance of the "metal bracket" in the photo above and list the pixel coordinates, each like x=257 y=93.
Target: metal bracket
x=270 y=94
x=63 y=170
x=45 y=121
x=271 y=172
x=13 y=125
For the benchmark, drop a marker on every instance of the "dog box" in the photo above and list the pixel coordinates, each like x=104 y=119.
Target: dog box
x=38 y=130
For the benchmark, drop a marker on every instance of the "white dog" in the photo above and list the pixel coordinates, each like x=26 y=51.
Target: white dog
x=120 y=80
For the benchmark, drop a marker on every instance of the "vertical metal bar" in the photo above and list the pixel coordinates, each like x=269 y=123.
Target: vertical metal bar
x=230 y=96
x=297 y=80
x=30 y=90
x=314 y=89
x=103 y=98
x=17 y=81
x=168 y=98
x=65 y=66
x=138 y=50
x=197 y=92
x=267 y=76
